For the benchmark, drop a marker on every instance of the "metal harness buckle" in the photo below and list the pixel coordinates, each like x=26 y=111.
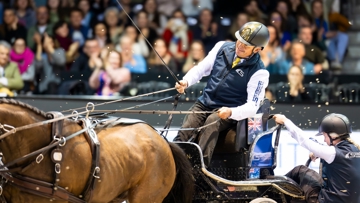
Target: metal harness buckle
x=96 y=172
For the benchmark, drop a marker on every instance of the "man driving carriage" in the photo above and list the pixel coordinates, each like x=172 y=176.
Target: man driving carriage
x=340 y=158
x=234 y=89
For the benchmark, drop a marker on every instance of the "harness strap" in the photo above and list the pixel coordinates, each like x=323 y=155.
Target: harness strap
x=57 y=154
x=95 y=166
x=41 y=188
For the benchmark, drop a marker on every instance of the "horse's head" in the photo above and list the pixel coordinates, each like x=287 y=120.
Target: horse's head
x=16 y=114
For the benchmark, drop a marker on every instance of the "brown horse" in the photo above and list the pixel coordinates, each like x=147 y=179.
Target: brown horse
x=136 y=163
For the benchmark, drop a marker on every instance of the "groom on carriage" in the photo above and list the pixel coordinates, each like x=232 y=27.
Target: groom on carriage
x=235 y=88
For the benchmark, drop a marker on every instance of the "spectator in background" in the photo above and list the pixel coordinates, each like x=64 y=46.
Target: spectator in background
x=154 y=62
x=168 y=7
x=157 y=21
x=49 y=62
x=84 y=6
x=25 y=11
x=195 y=56
x=305 y=20
x=139 y=46
x=109 y=77
x=42 y=26
x=55 y=11
x=24 y=58
x=63 y=40
x=339 y=39
x=85 y=63
x=297 y=54
x=297 y=7
x=143 y=24
x=192 y=8
x=285 y=37
x=78 y=32
x=293 y=90
x=59 y=10
x=321 y=24
x=112 y=22
x=11 y=29
x=99 y=6
x=312 y=52
x=123 y=19
x=272 y=54
x=101 y=33
x=237 y=23
x=177 y=36
x=296 y=91
x=10 y=78
x=207 y=30
x=134 y=62
x=254 y=13
x=289 y=20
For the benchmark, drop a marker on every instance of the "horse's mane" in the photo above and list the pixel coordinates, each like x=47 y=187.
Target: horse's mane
x=24 y=105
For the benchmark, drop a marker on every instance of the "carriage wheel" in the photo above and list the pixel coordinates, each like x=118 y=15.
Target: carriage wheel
x=263 y=200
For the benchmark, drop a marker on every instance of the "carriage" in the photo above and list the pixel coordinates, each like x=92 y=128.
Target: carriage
x=242 y=167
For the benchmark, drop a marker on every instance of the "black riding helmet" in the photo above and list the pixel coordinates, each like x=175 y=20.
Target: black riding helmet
x=253 y=34
x=335 y=123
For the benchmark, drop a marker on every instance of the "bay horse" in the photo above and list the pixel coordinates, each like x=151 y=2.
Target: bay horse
x=137 y=164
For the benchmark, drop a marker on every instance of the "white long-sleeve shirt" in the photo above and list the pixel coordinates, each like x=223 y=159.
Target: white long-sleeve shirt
x=251 y=106
x=322 y=151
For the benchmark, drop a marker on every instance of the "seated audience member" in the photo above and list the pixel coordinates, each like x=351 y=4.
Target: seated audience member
x=276 y=20
x=134 y=62
x=11 y=29
x=85 y=62
x=290 y=20
x=154 y=62
x=50 y=60
x=178 y=36
x=296 y=90
x=142 y=22
x=56 y=13
x=254 y=13
x=89 y=18
x=312 y=52
x=42 y=26
x=237 y=23
x=339 y=25
x=272 y=53
x=320 y=23
x=109 y=77
x=195 y=56
x=63 y=40
x=25 y=11
x=140 y=46
x=101 y=34
x=297 y=54
x=24 y=58
x=10 y=77
x=157 y=20
x=112 y=22
x=78 y=31
x=207 y=30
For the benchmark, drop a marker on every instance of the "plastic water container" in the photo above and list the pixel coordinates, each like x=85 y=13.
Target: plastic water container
x=254 y=173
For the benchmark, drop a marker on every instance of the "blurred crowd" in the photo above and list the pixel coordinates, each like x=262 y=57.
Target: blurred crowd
x=43 y=41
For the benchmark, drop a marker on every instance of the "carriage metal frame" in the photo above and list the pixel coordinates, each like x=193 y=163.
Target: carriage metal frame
x=228 y=179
